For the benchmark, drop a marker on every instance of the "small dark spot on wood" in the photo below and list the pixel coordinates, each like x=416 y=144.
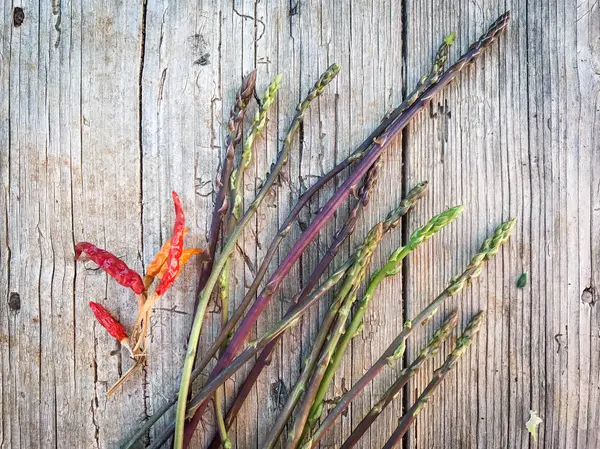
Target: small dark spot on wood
x=279 y=393
x=203 y=60
x=294 y=10
x=35 y=319
x=14 y=301
x=588 y=296
x=558 y=341
x=198 y=42
x=18 y=16
x=303 y=225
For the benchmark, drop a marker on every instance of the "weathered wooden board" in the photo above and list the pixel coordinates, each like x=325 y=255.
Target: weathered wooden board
x=109 y=106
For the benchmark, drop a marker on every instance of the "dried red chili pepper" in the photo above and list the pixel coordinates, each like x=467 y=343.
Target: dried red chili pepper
x=185 y=256
x=112 y=265
x=176 y=249
x=109 y=323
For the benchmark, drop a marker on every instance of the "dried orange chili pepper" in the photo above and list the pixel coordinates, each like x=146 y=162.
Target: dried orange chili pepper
x=159 y=260
x=109 y=323
x=185 y=256
x=158 y=263
x=176 y=248
x=112 y=265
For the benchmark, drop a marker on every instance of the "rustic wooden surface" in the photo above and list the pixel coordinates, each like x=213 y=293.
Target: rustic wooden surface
x=108 y=106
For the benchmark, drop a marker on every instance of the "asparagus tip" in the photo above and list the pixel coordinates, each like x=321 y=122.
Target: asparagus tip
x=502 y=21
x=418 y=191
x=449 y=40
x=474 y=325
x=334 y=68
x=250 y=78
x=457 y=210
x=276 y=81
x=452 y=319
x=328 y=75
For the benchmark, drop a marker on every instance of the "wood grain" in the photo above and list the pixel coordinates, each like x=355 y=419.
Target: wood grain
x=108 y=107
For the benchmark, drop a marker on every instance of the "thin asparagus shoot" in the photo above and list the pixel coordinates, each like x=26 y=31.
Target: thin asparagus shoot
x=237 y=195
x=391 y=393
x=312 y=404
x=341 y=305
x=395 y=350
x=329 y=209
x=234 y=136
x=228 y=248
x=439 y=375
x=425 y=82
x=300 y=301
x=390 y=222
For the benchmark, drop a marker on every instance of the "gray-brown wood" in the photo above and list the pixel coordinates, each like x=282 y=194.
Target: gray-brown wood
x=108 y=107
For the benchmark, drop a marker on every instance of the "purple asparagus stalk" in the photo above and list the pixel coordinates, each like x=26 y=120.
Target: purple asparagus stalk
x=228 y=247
x=237 y=193
x=234 y=136
x=325 y=215
x=291 y=318
x=439 y=375
x=265 y=358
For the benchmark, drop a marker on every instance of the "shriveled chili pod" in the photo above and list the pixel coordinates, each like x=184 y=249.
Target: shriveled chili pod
x=112 y=265
x=109 y=323
x=158 y=263
x=176 y=249
x=185 y=256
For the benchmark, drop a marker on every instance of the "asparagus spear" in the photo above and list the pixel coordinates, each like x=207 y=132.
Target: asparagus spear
x=390 y=222
x=391 y=268
x=423 y=84
x=234 y=136
x=426 y=353
x=237 y=177
x=312 y=402
x=205 y=294
x=341 y=305
x=329 y=209
x=438 y=376
x=395 y=350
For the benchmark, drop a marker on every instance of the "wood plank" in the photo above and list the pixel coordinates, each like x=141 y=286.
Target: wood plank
x=181 y=139
x=110 y=107
x=512 y=137
x=70 y=94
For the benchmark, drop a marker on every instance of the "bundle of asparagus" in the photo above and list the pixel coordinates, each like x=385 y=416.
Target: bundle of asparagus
x=339 y=325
